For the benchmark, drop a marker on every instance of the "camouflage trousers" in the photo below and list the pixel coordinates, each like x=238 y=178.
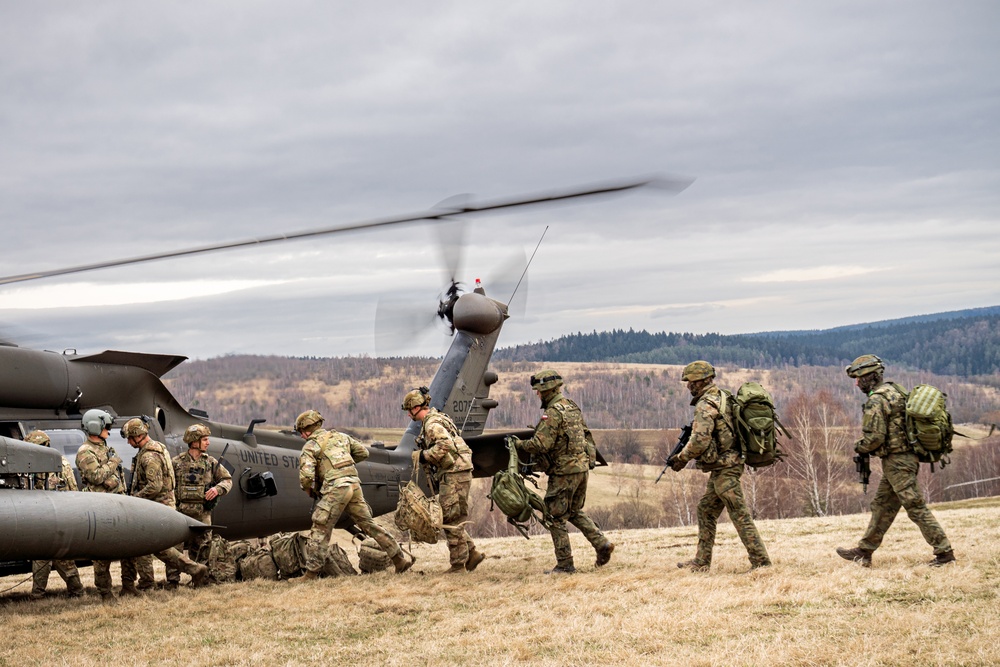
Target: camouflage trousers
x=173 y=558
x=40 y=570
x=724 y=491
x=131 y=568
x=899 y=488
x=197 y=547
x=329 y=508
x=453 y=490
x=565 y=496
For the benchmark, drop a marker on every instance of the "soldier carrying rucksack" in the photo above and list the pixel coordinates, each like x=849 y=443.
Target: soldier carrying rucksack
x=884 y=434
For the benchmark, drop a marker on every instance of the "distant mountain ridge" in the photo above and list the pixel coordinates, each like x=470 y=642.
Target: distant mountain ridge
x=963 y=342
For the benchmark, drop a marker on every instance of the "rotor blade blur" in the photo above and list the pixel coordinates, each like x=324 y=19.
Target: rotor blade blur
x=502 y=282
x=451 y=242
x=553 y=196
x=401 y=325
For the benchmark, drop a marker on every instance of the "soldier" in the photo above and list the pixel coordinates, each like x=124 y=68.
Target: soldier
x=712 y=445
x=447 y=461
x=40 y=569
x=101 y=471
x=201 y=481
x=327 y=472
x=883 y=428
x=562 y=443
x=153 y=479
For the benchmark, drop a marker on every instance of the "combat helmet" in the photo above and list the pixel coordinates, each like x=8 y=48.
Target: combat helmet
x=546 y=380
x=307 y=419
x=38 y=438
x=865 y=364
x=195 y=432
x=94 y=421
x=416 y=398
x=134 y=427
x=698 y=370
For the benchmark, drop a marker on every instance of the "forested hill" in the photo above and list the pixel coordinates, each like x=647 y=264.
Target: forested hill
x=964 y=343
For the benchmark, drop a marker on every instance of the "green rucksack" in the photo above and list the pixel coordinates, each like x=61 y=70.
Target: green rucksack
x=756 y=425
x=928 y=425
x=518 y=503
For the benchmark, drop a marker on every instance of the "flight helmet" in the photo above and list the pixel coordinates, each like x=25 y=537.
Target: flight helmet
x=94 y=421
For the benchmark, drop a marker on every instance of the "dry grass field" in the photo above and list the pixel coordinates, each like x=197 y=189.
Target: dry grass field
x=811 y=608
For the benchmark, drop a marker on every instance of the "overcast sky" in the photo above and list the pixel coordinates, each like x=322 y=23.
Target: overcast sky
x=846 y=158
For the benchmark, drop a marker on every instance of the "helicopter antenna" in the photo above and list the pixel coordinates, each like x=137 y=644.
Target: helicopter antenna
x=528 y=264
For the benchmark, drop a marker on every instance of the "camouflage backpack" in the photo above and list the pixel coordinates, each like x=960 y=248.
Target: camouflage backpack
x=221 y=561
x=417 y=513
x=928 y=424
x=509 y=492
x=258 y=564
x=337 y=563
x=755 y=424
x=288 y=552
x=371 y=558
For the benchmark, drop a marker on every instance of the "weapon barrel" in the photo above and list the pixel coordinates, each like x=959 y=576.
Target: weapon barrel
x=49 y=525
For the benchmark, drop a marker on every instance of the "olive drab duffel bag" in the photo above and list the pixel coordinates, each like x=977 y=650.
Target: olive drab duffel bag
x=510 y=493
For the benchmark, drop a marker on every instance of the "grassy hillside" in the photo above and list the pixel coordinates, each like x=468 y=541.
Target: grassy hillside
x=810 y=608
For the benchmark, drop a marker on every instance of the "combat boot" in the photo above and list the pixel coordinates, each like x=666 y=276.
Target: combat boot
x=604 y=554
x=402 y=563
x=130 y=591
x=758 y=565
x=862 y=557
x=475 y=558
x=75 y=587
x=199 y=577
x=694 y=566
x=943 y=559
x=170 y=585
x=565 y=567
x=308 y=575
x=37 y=595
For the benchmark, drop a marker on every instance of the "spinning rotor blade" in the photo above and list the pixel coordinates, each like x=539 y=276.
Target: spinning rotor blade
x=670 y=185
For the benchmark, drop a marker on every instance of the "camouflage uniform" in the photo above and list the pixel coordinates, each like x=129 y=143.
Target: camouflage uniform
x=327 y=472
x=153 y=479
x=712 y=446
x=195 y=476
x=40 y=569
x=884 y=435
x=560 y=443
x=92 y=460
x=449 y=461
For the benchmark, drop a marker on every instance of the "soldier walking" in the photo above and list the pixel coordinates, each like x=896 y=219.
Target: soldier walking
x=327 y=472
x=447 y=461
x=201 y=482
x=561 y=443
x=153 y=479
x=713 y=447
x=64 y=480
x=883 y=428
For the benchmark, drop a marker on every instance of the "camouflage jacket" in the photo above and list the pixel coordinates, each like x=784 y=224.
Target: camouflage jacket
x=63 y=480
x=195 y=476
x=560 y=442
x=95 y=471
x=442 y=445
x=883 y=422
x=327 y=461
x=712 y=444
x=153 y=474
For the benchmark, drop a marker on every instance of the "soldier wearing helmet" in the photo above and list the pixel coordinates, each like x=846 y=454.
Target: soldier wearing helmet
x=563 y=444
x=153 y=479
x=201 y=481
x=101 y=472
x=40 y=569
x=447 y=461
x=713 y=446
x=883 y=427
x=327 y=472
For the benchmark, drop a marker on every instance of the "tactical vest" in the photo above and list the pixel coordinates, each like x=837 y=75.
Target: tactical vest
x=194 y=477
x=569 y=452
x=155 y=451
x=722 y=452
x=334 y=461
x=895 y=436
x=102 y=453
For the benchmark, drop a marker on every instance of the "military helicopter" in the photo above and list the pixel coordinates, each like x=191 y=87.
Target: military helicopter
x=49 y=391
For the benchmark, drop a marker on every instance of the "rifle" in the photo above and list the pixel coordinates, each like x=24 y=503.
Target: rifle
x=862 y=463
x=681 y=442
